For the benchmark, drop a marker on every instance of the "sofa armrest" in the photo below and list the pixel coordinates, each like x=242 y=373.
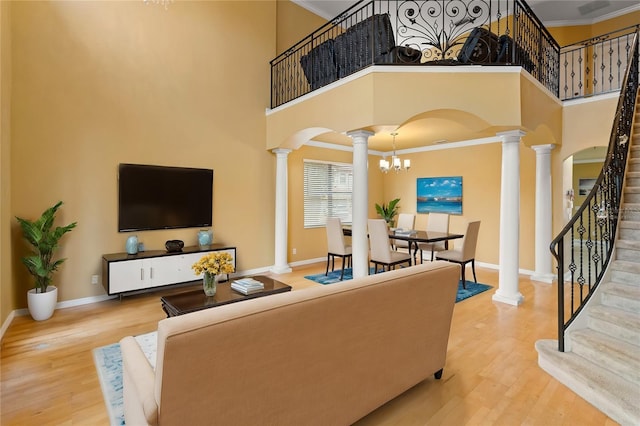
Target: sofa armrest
x=140 y=406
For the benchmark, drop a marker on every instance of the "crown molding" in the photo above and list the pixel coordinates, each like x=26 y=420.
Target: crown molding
x=591 y=21
x=308 y=6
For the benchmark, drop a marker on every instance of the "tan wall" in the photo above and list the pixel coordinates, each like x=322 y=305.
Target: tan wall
x=541 y=114
x=570 y=34
x=586 y=123
x=6 y=266
x=583 y=171
x=100 y=83
x=312 y=243
x=480 y=168
x=575 y=33
x=293 y=24
x=374 y=98
x=614 y=24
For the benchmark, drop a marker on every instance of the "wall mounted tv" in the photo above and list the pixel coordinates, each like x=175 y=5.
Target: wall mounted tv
x=160 y=197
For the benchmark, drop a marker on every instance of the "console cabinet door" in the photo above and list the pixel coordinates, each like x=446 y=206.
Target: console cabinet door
x=173 y=269
x=128 y=275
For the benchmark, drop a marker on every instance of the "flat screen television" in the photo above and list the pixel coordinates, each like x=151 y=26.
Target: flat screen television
x=161 y=197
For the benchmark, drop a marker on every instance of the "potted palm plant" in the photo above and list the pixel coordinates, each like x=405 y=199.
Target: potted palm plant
x=388 y=211
x=44 y=239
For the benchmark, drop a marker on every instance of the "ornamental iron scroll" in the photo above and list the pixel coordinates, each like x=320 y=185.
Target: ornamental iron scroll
x=439 y=28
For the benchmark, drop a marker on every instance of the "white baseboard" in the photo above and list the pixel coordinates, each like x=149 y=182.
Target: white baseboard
x=497 y=268
x=7 y=323
x=83 y=301
x=309 y=261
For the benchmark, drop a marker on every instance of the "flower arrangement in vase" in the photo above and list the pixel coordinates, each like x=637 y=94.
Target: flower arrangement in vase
x=211 y=265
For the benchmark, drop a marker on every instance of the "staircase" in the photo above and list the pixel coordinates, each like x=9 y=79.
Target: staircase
x=602 y=360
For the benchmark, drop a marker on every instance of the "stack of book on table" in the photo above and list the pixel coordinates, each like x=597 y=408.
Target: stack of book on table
x=247 y=286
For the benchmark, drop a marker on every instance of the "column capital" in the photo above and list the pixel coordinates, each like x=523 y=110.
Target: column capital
x=281 y=151
x=511 y=136
x=544 y=148
x=359 y=136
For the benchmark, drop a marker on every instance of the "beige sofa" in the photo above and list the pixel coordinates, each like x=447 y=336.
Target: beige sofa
x=326 y=355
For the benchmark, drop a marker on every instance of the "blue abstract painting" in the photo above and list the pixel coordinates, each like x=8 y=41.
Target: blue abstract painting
x=439 y=195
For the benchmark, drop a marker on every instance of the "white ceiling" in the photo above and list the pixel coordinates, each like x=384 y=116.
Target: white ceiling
x=550 y=12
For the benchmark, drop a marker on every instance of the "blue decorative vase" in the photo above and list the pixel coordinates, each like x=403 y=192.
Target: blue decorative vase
x=132 y=245
x=205 y=237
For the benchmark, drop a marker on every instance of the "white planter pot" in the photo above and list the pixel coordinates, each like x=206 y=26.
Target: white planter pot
x=42 y=305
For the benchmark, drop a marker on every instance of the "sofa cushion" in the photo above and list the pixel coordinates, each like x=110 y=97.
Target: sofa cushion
x=400 y=55
x=361 y=43
x=481 y=47
x=522 y=57
x=319 y=65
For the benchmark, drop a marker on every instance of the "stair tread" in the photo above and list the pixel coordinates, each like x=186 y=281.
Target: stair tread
x=617 y=349
x=626 y=324
x=626 y=266
x=628 y=291
x=630 y=224
x=628 y=244
x=614 y=395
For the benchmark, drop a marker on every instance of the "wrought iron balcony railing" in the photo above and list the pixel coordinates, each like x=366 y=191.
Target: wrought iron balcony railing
x=417 y=33
x=584 y=247
x=597 y=65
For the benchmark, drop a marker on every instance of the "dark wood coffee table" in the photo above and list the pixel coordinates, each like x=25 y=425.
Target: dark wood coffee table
x=196 y=300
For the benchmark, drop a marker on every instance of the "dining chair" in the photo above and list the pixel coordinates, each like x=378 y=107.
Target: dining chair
x=380 y=252
x=406 y=221
x=466 y=253
x=437 y=222
x=336 y=245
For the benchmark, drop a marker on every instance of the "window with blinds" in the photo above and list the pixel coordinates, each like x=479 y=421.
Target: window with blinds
x=327 y=192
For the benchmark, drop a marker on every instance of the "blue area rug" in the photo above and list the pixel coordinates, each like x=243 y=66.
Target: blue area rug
x=108 y=360
x=334 y=277
x=471 y=290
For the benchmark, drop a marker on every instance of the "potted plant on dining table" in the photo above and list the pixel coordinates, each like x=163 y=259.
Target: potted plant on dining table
x=388 y=211
x=211 y=265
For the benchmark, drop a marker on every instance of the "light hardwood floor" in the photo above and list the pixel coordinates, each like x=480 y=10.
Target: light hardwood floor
x=491 y=376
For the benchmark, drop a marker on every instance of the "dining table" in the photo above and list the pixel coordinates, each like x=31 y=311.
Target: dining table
x=414 y=237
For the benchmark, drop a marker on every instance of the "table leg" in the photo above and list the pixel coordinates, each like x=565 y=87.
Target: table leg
x=415 y=252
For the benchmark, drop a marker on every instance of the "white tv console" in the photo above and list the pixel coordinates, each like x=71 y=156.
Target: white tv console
x=122 y=272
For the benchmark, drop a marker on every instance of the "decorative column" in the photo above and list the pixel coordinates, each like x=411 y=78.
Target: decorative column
x=281 y=266
x=508 y=291
x=360 y=200
x=543 y=270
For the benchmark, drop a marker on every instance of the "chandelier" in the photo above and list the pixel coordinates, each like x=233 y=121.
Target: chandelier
x=396 y=164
